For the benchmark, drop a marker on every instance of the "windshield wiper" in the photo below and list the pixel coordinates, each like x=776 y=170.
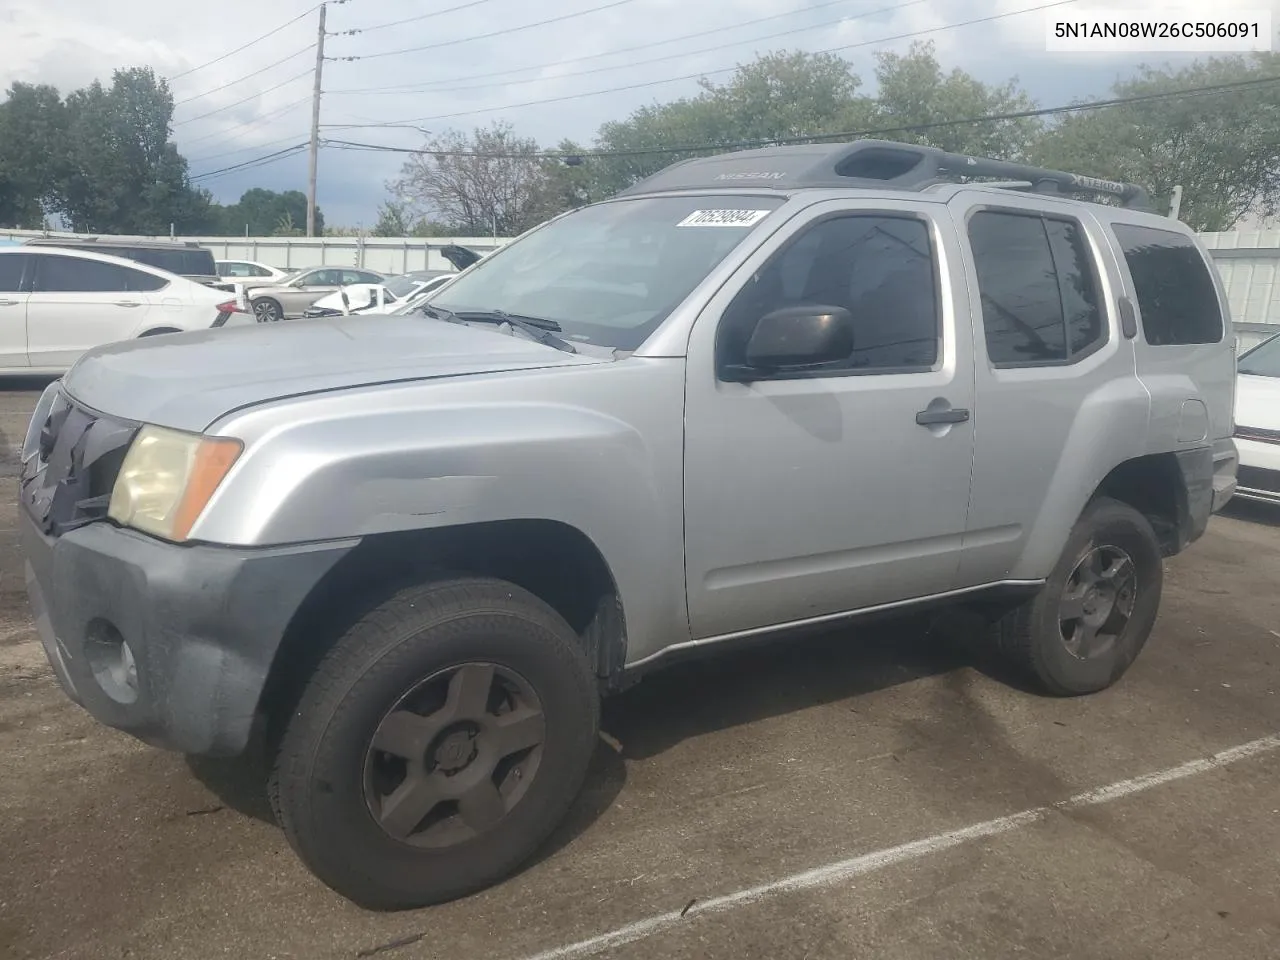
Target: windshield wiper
x=539 y=329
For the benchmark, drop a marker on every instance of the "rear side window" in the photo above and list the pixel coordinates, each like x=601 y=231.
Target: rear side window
x=184 y=262
x=11 y=272
x=1176 y=297
x=1038 y=286
x=73 y=275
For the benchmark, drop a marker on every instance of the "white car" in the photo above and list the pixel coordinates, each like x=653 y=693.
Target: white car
x=56 y=303
x=249 y=270
x=373 y=298
x=1258 y=422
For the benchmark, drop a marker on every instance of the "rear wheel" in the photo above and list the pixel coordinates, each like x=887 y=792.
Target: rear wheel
x=438 y=745
x=1097 y=609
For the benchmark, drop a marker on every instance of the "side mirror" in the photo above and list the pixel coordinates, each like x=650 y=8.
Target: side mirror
x=794 y=339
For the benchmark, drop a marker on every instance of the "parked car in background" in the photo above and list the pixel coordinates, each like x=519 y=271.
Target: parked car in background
x=55 y=304
x=378 y=297
x=185 y=258
x=290 y=296
x=1258 y=422
x=249 y=272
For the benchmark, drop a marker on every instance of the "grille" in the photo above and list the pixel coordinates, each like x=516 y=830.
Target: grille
x=67 y=482
x=1256 y=478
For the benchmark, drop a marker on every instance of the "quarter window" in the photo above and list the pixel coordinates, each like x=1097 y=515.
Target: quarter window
x=879 y=268
x=1040 y=301
x=1176 y=295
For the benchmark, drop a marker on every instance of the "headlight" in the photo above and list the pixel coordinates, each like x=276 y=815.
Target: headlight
x=167 y=479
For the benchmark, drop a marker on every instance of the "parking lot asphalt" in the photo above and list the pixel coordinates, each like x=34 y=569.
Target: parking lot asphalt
x=874 y=792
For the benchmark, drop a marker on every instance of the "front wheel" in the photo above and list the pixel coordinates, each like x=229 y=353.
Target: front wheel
x=1085 y=628
x=267 y=310
x=437 y=745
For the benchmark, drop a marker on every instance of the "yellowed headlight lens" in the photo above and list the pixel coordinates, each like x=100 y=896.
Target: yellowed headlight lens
x=167 y=478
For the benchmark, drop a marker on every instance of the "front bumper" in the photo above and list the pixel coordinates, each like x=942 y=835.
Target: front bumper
x=170 y=643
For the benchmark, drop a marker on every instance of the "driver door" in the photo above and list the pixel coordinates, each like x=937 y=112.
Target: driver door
x=811 y=494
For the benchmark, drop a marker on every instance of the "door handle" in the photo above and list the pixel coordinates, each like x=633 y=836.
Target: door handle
x=928 y=418
x=8 y=303
x=128 y=303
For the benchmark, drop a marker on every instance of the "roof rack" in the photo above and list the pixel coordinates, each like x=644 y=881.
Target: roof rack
x=873 y=163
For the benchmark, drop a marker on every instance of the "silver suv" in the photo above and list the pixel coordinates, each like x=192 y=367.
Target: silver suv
x=755 y=392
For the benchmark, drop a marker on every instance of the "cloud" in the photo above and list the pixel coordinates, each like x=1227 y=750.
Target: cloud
x=460 y=81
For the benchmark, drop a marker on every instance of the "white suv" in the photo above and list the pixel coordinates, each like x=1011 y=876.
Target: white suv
x=57 y=303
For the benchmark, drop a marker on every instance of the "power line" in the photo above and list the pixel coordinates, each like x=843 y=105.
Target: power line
x=709 y=73
x=248 y=123
x=232 y=83
x=397 y=23
x=232 y=53
x=486 y=36
x=282 y=83
x=685 y=53
x=841 y=135
x=254 y=162
x=425 y=85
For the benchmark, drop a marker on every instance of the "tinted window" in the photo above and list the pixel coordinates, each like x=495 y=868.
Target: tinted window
x=357 y=276
x=182 y=261
x=878 y=268
x=1176 y=297
x=72 y=275
x=11 y=272
x=1039 y=297
x=323 y=278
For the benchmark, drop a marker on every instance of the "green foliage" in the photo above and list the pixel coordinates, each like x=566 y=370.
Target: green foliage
x=1222 y=147
x=266 y=213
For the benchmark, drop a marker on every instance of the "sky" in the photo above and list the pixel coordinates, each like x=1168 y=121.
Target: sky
x=458 y=64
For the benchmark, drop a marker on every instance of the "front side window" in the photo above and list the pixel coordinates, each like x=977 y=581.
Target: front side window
x=610 y=274
x=1038 y=287
x=879 y=268
x=1176 y=296
x=73 y=275
x=11 y=265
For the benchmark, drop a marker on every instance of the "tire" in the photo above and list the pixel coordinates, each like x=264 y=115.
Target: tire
x=425 y=653
x=1066 y=654
x=267 y=310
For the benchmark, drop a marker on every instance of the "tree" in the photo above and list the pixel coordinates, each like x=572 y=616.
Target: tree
x=912 y=91
x=393 y=220
x=32 y=136
x=265 y=212
x=491 y=180
x=1223 y=148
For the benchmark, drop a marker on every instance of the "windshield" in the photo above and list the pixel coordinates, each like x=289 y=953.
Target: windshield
x=610 y=274
x=1263 y=360
x=402 y=285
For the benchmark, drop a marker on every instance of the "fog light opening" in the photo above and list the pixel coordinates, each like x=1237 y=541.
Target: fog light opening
x=112 y=661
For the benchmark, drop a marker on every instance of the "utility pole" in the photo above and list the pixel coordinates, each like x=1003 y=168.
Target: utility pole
x=315 y=130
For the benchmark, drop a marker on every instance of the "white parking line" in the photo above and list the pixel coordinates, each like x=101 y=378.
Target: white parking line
x=845 y=869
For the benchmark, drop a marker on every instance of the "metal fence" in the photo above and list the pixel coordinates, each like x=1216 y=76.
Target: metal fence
x=390 y=255
x=1249 y=262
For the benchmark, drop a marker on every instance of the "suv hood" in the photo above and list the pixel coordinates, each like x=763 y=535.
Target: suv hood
x=188 y=380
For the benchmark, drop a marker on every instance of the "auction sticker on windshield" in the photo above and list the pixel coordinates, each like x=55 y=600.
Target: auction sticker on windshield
x=723 y=218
